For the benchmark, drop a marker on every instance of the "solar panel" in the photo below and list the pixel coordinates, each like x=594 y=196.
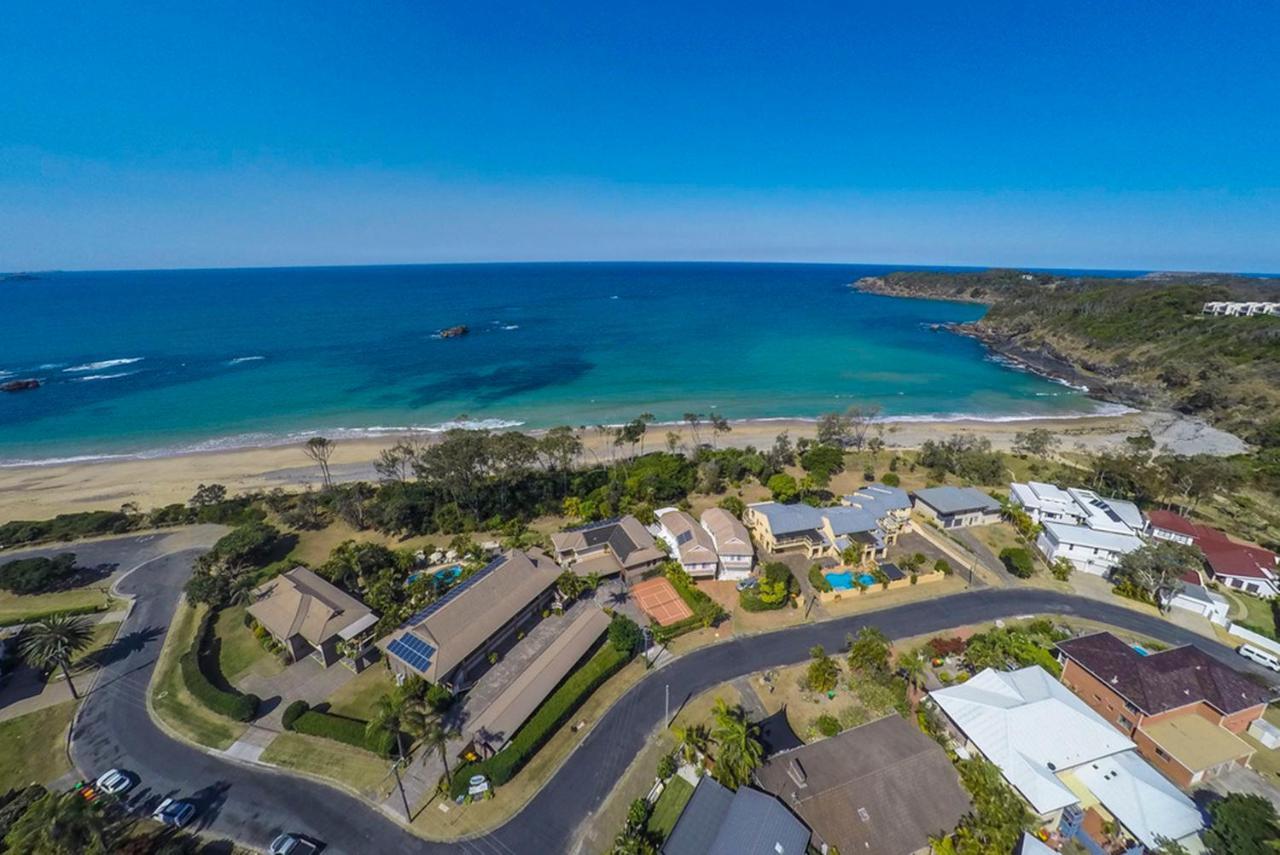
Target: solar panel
x=404 y=649
x=684 y=537
x=424 y=613
x=591 y=525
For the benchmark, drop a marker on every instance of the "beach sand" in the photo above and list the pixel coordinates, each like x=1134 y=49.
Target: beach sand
x=41 y=491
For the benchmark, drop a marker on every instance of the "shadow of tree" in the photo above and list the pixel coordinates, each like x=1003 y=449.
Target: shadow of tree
x=125 y=646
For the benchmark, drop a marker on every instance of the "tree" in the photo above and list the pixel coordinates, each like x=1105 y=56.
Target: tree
x=389 y=715
x=37 y=575
x=52 y=642
x=320 y=450
x=998 y=817
x=733 y=505
x=424 y=723
x=693 y=420
x=869 y=652
x=822 y=461
x=1017 y=561
x=719 y=425
x=860 y=419
x=208 y=494
x=59 y=824
x=912 y=666
x=570 y=585
x=692 y=743
x=823 y=673
x=624 y=634
x=783 y=487
x=1243 y=825
x=1153 y=572
x=1037 y=442
x=739 y=750
x=1061 y=569
x=395 y=464
x=833 y=429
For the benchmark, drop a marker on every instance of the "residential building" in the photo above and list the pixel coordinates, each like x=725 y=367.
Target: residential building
x=1166 y=525
x=608 y=548
x=1241 y=309
x=1183 y=708
x=310 y=616
x=718 y=821
x=732 y=542
x=1075 y=770
x=1242 y=566
x=957 y=507
x=690 y=543
x=883 y=787
x=1088 y=550
x=447 y=638
x=869 y=521
x=494 y=726
x=1046 y=503
x=1115 y=516
x=1193 y=596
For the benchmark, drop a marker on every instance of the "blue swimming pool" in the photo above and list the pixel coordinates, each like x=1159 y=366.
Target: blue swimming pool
x=844 y=581
x=442 y=578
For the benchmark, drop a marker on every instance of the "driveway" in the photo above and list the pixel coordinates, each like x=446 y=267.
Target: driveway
x=252 y=803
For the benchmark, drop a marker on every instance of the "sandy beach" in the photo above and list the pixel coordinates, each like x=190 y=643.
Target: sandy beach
x=41 y=491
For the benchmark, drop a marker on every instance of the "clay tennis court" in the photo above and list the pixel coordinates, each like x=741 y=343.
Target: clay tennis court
x=659 y=600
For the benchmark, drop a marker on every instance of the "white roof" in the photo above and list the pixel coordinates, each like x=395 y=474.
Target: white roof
x=1031 y=845
x=1032 y=727
x=1141 y=798
x=1104 y=514
x=1036 y=494
x=1081 y=536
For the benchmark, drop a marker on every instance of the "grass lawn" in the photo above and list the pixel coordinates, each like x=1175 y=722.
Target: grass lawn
x=18 y=607
x=357 y=698
x=42 y=756
x=1259 y=617
x=103 y=635
x=313 y=547
x=359 y=770
x=173 y=704
x=668 y=807
x=241 y=653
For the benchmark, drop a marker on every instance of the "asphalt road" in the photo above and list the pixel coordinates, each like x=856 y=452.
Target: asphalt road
x=252 y=805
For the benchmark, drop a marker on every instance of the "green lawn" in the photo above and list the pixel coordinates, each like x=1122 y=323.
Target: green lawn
x=241 y=653
x=1259 y=618
x=357 y=698
x=15 y=608
x=173 y=704
x=669 y=805
x=357 y=769
x=35 y=746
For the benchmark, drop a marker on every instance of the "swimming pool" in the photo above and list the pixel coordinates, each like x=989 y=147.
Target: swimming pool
x=844 y=581
x=440 y=577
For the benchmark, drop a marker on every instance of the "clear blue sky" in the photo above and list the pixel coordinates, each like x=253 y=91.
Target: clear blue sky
x=1130 y=134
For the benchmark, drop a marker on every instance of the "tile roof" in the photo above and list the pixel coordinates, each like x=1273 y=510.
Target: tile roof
x=882 y=787
x=1165 y=680
x=955 y=500
x=693 y=542
x=727 y=532
x=624 y=536
x=1228 y=558
x=1169 y=521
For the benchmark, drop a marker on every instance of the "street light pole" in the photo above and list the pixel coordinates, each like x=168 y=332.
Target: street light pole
x=666 y=705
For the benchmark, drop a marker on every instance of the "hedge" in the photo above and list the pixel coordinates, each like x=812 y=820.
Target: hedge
x=706 y=611
x=1017 y=561
x=38 y=616
x=818 y=579
x=351 y=731
x=232 y=704
x=293 y=712
x=544 y=722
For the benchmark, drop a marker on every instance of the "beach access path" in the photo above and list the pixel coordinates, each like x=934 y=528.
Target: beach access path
x=251 y=803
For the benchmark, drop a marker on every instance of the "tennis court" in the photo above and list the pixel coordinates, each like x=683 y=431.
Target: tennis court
x=659 y=600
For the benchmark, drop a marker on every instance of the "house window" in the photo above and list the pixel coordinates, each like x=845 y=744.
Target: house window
x=1162 y=754
x=1124 y=722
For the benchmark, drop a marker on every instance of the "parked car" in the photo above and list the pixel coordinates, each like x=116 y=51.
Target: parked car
x=174 y=812
x=115 y=782
x=1262 y=657
x=293 y=844
x=749 y=582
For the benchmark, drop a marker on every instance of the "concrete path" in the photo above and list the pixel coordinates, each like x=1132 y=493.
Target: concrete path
x=304 y=680
x=252 y=743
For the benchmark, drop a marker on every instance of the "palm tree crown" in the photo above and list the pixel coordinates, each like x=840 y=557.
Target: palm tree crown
x=54 y=640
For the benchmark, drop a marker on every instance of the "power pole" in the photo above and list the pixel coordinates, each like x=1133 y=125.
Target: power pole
x=395 y=767
x=666 y=705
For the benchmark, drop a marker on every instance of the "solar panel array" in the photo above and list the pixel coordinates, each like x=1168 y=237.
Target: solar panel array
x=424 y=613
x=412 y=650
x=596 y=524
x=684 y=537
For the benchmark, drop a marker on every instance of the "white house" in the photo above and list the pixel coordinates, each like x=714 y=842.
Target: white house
x=732 y=542
x=1241 y=309
x=1199 y=599
x=1062 y=757
x=1105 y=514
x=690 y=543
x=1088 y=550
x=1046 y=503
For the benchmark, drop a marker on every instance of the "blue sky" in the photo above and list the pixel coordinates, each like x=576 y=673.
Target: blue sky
x=1130 y=135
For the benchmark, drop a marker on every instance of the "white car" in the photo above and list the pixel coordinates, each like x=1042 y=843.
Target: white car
x=174 y=812
x=293 y=844
x=115 y=782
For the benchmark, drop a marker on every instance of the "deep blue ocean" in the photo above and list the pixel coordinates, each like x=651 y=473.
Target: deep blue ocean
x=158 y=361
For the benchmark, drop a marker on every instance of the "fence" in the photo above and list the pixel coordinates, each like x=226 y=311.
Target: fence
x=1256 y=639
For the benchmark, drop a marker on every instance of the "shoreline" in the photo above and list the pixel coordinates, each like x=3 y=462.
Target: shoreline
x=39 y=491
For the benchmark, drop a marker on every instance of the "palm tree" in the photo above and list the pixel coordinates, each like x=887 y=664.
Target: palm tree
x=435 y=736
x=52 y=641
x=740 y=749
x=60 y=822
x=593 y=580
x=692 y=742
x=389 y=715
x=912 y=667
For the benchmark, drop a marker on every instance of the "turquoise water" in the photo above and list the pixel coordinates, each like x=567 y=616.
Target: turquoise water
x=844 y=581
x=150 y=362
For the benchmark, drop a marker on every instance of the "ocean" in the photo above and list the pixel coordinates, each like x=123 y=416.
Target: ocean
x=155 y=362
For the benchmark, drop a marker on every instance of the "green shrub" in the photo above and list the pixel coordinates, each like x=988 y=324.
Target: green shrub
x=827 y=724
x=942 y=566
x=66 y=527
x=1018 y=561
x=544 y=722
x=350 y=731
x=819 y=579
x=625 y=635
x=32 y=618
x=774 y=590
x=293 y=712
x=37 y=575
x=232 y=705
x=891 y=479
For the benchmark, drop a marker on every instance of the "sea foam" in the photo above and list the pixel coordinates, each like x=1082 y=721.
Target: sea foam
x=106 y=363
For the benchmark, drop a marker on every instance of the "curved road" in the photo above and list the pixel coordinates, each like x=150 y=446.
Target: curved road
x=252 y=804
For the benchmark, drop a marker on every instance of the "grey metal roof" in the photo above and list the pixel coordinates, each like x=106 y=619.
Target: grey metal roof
x=789 y=519
x=957 y=500
x=717 y=821
x=700 y=822
x=879 y=499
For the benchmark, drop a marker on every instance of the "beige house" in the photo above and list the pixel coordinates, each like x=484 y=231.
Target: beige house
x=869 y=521
x=311 y=616
x=690 y=543
x=608 y=548
x=732 y=543
x=444 y=640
